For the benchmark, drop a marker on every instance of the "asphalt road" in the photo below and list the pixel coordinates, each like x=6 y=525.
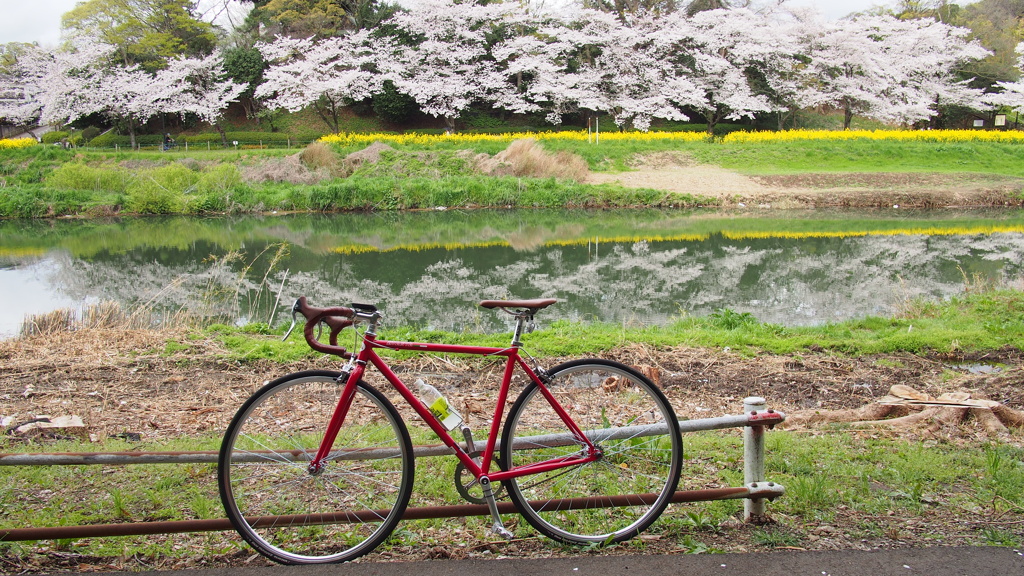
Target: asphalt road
x=928 y=561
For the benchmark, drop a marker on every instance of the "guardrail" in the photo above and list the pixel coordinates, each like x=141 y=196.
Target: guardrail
x=756 y=491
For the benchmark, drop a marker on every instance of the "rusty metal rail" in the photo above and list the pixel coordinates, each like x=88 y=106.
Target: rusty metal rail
x=763 y=490
x=756 y=490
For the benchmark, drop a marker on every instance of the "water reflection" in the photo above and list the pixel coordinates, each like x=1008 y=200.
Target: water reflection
x=429 y=269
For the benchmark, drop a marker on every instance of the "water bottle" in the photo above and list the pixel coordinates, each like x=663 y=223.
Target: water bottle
x=438 y=405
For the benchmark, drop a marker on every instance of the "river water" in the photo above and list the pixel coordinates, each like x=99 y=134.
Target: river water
x=429 y=269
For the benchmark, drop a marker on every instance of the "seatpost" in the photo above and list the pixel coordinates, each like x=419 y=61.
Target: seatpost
x=522 y=319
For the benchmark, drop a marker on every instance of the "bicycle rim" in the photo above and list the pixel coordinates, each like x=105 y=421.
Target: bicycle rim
x=295 y=517
x=620 y=494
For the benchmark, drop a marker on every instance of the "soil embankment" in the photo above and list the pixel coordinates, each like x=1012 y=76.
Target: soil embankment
x=677 y=173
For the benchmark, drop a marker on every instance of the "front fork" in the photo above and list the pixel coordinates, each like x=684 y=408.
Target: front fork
x=319 y=462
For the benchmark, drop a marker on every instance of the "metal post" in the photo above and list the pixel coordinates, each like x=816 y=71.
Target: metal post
x=753 y=460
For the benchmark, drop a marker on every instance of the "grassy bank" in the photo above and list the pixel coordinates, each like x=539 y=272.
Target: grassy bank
x=46 y=181
x=983 y=319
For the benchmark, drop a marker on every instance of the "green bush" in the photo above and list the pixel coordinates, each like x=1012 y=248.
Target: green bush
x=81 y=177
x=151 y=199
x=162 y=190
x=89 y=133
x=21 y=203
x=243 y=138
x=112 y=140
x=109 y=140
x=55 y=136
x=173 y=177
x=219 y=179
x=393 y=106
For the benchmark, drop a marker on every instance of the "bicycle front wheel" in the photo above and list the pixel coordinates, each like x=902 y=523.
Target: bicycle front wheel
x=632 y=424
x=293 y=515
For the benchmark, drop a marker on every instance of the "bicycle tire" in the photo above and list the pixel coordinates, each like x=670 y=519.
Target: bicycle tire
x=293 y=516
x=643 y=456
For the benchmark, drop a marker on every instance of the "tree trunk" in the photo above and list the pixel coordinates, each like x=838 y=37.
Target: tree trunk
x=847 y=117
x=223 y=135
x=449 y=124
x=712 y=119
x=327 y=110
x=131 y=133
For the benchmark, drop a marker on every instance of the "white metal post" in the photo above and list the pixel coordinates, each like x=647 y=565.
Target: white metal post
x=753 y=460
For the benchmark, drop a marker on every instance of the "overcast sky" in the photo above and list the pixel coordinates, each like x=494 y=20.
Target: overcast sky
x=39 y=20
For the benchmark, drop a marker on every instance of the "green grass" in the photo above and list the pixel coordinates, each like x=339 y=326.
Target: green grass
x=864 y=156
x=883 y=481
x=971 y=322
x=49 y=181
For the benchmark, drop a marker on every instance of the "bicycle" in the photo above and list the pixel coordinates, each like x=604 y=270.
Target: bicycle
x=317 y=466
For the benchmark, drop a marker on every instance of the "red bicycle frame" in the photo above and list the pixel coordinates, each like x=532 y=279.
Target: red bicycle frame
x=368 y=355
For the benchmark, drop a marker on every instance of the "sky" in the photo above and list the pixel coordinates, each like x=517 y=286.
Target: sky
x=39 y=20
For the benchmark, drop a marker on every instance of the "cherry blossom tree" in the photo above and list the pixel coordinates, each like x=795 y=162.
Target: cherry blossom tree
x=591 y=61
x=889 y=69
x=556 y=61
x=721 y=52
x=80 y=80
x=932 y=54
x=438 y=53
x=1011 y=94
x=197 y=86
x=21 y=83
x=328 y=74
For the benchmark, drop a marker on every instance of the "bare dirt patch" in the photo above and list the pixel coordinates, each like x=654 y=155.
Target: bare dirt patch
x=125 y=381
x=677 y=172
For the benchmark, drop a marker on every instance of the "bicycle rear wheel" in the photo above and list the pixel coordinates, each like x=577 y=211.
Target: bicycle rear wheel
x=294 y=516
x=615 y=497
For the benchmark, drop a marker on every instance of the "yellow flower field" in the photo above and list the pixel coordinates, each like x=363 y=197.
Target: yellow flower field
x=1007 y=136
x=357 y=139
x=7 y=143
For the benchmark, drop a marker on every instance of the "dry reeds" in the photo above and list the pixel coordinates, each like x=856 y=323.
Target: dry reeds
x=529 y=159
x=101 y=316
x=315 y=163
x=318 y=156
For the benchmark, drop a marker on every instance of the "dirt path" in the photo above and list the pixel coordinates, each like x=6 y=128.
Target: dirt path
x=676 y=172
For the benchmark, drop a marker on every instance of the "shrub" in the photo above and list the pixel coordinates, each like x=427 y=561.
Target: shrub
x=161 y=190
x=173 y=177
x=151 y=199
x=110 y=140
x=21 y=202
x=89 y=133
x=54 y=136
x=219 y=179
x=81 y=177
